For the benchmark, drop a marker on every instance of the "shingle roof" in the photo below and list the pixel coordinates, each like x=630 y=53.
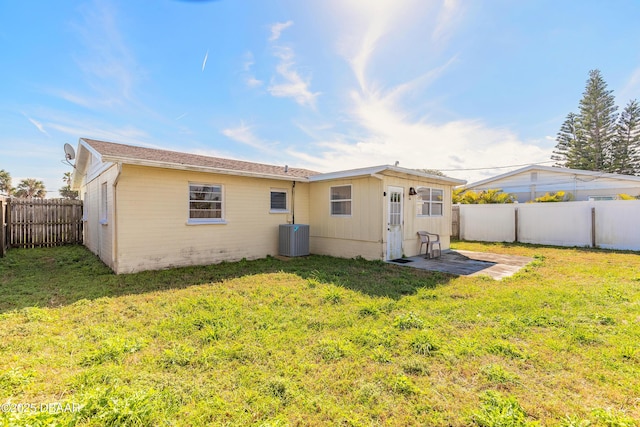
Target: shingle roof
x=555 y=169
x=122 y=152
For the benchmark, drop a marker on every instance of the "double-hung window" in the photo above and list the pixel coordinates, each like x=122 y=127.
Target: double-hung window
x=341 y=200
x=205 y=204
x=430 y=202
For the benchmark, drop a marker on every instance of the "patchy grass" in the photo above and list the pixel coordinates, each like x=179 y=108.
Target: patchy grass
x=320 y=341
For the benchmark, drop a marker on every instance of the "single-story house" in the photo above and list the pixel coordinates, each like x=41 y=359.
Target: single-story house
x=533 y=181
x=149 y=209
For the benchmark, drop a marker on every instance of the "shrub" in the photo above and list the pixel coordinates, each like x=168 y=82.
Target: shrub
x=330 y=350
x=611 y=418
x=499 y=411
x=552 y=197
x=401 y=384
x=498 y=375
x=425 y=344
x=408 y=321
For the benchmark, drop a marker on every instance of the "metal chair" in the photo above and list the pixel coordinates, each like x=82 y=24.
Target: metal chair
x=431 y=240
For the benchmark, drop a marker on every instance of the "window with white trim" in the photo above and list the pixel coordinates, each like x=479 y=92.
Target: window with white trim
x=278 y=200
x=601 y=198
x=205 y=203
x=341 y=200
x=85 y=207
x=430 y=202
x=103 y=203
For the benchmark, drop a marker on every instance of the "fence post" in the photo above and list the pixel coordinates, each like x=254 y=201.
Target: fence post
x=455 y=217
x=516 y=225
x=593 y=227
x=3 y=237
x=9 y=228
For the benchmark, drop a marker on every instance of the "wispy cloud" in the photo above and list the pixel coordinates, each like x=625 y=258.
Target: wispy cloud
x=82 y=100
x=631 y=89
x=253 y=82
x=204 y=61
x=37 y=124
x=248 y=61
x=278 y=28
x=244 y=134
x=250 y=80
x=450 y=11
x=71 y=126
x=109 y=67
x=392 y=128
x=290 y=83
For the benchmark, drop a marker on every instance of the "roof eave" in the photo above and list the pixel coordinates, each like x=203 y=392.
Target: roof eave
x=374 y=170
x=83 y=153
x=447 y=179
x=556 y=170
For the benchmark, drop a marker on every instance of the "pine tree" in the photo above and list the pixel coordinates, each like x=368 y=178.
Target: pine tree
x=625 y=152
x=597 y=122
x=568 y=143
x=585 y=139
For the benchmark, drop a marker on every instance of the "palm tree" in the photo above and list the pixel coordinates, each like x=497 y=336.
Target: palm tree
x=66 y=192
x=30 y=187
x=5 y=182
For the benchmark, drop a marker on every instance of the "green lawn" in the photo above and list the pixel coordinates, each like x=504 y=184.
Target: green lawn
x=320 y=341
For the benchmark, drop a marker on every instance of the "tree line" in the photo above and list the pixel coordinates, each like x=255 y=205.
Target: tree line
x=597 y=138
x=33 y=188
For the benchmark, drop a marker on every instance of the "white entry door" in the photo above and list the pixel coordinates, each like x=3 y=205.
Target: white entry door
x=394 y=223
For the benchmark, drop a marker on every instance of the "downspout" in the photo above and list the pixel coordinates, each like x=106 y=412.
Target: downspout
x=293 y=203
x=114 y=254
x=383 y=228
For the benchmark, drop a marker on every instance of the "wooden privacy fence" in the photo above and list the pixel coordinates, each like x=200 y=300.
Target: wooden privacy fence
x=30 y=223
x=4 y=212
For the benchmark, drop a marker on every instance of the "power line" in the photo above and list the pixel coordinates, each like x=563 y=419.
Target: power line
x=494 y=167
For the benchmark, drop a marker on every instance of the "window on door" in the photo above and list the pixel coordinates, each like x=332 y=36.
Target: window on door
x=395 y=208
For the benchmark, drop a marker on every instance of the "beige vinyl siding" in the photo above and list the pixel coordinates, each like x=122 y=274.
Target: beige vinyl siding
x=359 y=234
x=414 y=223
x=299 y=202
x=343 y=248
x=99 y=238
x=153 y=230
x=90 y=213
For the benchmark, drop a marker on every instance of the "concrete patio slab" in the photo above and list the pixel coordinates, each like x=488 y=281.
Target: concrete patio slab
x=467 y=263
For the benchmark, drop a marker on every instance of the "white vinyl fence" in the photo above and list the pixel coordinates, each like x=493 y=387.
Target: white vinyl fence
x=603 y=224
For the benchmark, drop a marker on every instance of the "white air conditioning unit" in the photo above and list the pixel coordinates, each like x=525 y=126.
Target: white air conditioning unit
x=293 y=240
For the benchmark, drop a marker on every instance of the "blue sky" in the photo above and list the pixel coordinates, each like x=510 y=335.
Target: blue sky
x=453 y=85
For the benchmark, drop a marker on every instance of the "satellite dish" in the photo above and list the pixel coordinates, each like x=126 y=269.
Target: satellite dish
x=69 y=152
